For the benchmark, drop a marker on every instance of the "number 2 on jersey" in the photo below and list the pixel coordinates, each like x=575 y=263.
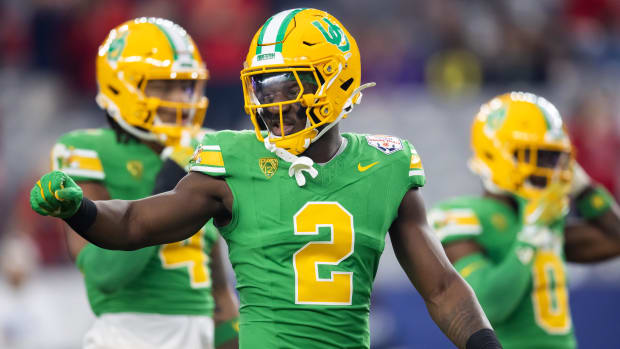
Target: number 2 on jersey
x=550 y=296
x=188 y=254
x=310 y=288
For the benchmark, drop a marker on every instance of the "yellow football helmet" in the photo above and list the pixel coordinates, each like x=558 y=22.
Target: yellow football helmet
x=312 y=48
x=141 y=51
x=520 y=145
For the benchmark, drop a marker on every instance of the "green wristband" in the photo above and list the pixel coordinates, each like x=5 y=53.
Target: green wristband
x=594 y=202
x=226 y=331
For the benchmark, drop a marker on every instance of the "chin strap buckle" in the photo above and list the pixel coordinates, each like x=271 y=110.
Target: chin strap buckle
x=299 y=164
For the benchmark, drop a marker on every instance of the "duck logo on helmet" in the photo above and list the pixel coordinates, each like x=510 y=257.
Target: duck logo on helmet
x=334 y=34
x=116 y=48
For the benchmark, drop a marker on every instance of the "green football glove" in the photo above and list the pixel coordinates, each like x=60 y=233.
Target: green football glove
x=57 y=195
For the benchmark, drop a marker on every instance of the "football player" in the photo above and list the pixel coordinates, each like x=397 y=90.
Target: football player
x=151 y=81
x=510 y=243
x=304 y=210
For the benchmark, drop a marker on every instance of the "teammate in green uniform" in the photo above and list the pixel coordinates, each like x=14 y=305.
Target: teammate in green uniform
x=305 y=249
x=510 y=243
x=160 y=296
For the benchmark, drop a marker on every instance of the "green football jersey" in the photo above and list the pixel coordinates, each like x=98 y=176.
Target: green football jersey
x=542 y=317
x=305 y=257
x=175 y=278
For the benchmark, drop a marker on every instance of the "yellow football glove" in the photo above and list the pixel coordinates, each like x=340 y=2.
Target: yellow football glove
x=550 y=206
x=538 y=215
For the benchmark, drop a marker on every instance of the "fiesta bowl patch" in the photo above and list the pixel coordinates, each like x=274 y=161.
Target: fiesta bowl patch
x=386 y=144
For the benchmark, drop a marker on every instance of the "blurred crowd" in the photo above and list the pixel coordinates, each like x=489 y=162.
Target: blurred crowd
x=567 y=50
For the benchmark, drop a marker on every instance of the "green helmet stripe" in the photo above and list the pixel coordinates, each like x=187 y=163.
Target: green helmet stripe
x=259 y=43
x=282 y=30
x=545 y=116
x=273 y=31
x=174 y=48
x=179 y=41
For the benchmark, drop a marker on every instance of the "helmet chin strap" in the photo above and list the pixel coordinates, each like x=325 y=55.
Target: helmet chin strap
x=299 y=164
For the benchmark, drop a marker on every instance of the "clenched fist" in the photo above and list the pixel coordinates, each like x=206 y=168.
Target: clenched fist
x=56 y=194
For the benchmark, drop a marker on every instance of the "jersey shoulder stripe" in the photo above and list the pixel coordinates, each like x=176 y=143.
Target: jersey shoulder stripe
x=450 y=222
x=415 y=166
x=472 y=217
x=210 y=158
x=76 y=154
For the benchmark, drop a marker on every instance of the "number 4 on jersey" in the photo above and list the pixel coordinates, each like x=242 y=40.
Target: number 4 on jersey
x=188 y=254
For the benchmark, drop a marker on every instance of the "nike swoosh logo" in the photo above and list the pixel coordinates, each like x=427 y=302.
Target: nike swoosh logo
x=365 y=168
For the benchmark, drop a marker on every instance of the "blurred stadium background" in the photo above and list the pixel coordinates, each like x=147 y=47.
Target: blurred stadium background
x=434 y=63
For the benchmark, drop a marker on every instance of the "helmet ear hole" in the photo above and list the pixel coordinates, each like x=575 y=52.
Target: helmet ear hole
x=112 y=89
x=314 y=116
x=139 y=85
x=345 y=85
x=488 y=156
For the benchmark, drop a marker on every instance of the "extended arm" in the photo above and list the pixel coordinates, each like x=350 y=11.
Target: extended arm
x=127 y=225
x=499 y=287
x=449 y=300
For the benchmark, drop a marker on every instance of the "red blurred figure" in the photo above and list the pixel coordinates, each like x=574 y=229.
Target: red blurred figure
x=594 y=133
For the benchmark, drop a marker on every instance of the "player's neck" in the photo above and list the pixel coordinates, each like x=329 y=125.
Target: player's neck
x=155 y=146
x=508 y=200
x=326 y=147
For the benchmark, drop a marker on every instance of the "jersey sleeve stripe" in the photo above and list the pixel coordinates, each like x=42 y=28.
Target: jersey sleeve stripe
x=416 y=162
x=76 y=172
x=210 y=158
x=90 y=164
x=416 y=173
x=77 y=162
x=85 y=153
x=208 y=169
x=454 y=222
